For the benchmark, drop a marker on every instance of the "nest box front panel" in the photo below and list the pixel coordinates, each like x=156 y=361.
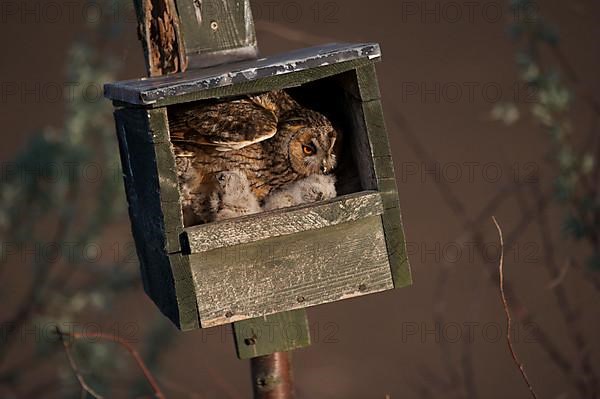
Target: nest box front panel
x=290 y=272
x=289 y=259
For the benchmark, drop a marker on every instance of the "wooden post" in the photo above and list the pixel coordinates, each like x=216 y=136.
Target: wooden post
x=272 y=376
x=160 y=30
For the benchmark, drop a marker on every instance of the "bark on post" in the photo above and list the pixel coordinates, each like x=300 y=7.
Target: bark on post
x=159 y=30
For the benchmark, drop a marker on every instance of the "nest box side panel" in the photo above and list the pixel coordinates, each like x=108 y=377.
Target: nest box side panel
x=173 y=218
x=374 y=124
x=154 y=210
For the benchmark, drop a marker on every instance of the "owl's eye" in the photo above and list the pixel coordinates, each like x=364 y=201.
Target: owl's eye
x=309 y=149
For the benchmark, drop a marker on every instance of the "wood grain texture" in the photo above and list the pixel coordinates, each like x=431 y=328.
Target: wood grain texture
x=142 y=188
x=154 y=213
x=160 y=32
x=185 y=291
x=361 y=147
x=362 y=83
x=282 y=81
x=191 y=85
x=279 y=332
x=396 y=244
x=217 y=31
x=282 y=222
x=291 y=272
x=374 y=125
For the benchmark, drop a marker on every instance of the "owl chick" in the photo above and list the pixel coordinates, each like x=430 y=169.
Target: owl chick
x=232 y=196
x=305 y=191
x=270 y=137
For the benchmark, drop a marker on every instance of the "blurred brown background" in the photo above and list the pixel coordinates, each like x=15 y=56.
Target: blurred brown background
x=439 y=78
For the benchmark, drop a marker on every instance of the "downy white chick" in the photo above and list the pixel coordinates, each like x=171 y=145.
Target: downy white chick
x=232 y=197
x=305 y=191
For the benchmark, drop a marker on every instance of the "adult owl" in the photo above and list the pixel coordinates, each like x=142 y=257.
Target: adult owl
x=270 y=137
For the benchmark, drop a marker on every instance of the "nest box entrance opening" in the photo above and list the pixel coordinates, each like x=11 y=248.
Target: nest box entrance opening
x=247 y=134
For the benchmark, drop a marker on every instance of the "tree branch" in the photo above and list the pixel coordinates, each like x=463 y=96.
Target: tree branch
x=117 y=340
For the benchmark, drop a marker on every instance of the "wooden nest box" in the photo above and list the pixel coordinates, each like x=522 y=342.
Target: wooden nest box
x=262 y=264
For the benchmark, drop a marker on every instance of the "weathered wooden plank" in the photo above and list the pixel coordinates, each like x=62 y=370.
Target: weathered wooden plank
x=375 y=124
x=362 y=84
x=217 y=31
x=185 y=291
x=277 y=82
x=279 y=332
x=368 y=84
x=138 y=158
x=160 y=33
x=384 y=167
x=396 y=245
x=161 y=90
x=389 y=192
x=282 y=222
x=167 y=178
x=291 y=272
x=360 y=146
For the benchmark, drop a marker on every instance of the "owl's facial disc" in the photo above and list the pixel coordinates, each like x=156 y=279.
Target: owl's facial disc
x=312 y=150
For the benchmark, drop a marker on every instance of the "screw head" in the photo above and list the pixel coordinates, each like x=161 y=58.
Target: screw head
x=214 y=25
x=301 y=299
x=362 y=287
x=229 y=314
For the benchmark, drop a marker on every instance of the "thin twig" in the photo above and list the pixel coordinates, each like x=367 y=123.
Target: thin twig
x=134 y=354
x=176 y=387
x=561 y=277
x=507 y=312
x=84 y=386
x=474 y=233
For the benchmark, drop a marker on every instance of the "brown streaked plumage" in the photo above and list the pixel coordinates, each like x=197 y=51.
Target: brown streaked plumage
x=269 y=137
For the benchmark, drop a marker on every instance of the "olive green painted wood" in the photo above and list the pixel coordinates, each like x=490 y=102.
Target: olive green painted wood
x=363 y=84
x=217 y=31
x=291 y=272
x=282 y=222
x=155 y=212
x=374 y=124
x=279 y=332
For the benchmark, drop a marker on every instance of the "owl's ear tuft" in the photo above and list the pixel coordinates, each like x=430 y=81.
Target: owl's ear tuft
x=333 y=140
x=294 y=128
